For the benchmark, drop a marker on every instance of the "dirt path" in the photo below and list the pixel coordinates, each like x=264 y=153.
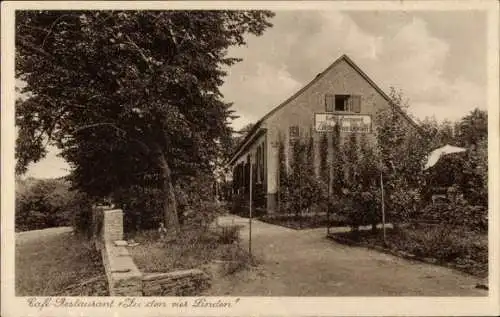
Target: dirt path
x=306 y=263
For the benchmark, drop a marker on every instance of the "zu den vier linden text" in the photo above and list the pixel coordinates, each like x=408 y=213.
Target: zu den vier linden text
x=129 y=302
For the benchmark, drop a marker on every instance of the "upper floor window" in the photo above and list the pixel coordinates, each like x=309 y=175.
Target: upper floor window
x=342 y=102
x=348 y=103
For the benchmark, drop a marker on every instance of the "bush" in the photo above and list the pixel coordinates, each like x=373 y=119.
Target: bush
x=403 y=203
x=240 y=207
x=83 y=221
x=439 y=242
x=472 y=217
x=205 y=213
x=361 y=208
x=299 y=190
x=143 y=206
x=50 y=203
x=239 y=260
x=229 y=234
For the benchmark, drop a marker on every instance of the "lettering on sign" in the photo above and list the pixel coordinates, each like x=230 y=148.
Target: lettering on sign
x=347 y=123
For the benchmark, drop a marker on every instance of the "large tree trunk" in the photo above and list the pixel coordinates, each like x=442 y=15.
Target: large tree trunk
x=169 y=205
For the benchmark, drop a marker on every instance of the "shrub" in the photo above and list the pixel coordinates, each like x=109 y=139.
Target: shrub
x=142 y=207
x=239 y=260
x=403 y=202
x=204 y=214
x=472 y=217
x=439 y=242
x=240 y=207
x=229 y=234
x=51 y=203
x=83 y=221
x=301 y=190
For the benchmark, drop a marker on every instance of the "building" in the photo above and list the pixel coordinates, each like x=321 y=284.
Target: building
x=343 y=90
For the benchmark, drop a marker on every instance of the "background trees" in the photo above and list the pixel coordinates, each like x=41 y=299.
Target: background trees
x=349 y=180
x=130 y=97
x=45 y=203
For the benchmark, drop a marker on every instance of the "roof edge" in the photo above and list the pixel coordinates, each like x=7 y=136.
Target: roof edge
x=314 y=80
x=251 y=136
x=282 y=104
x=381 y=92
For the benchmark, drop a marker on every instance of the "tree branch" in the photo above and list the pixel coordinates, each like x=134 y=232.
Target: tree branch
x=52 y=27
x=146 y=60
x=31 y=47
x=112 y=125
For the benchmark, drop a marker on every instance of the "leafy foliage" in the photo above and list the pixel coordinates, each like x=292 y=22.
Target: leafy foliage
x=303 y=187
x=48 y=203
x=360 y=195
x=323 y=158
x=473 y=128
x=468 y=170
x=282 y=175
x=456 y=212
x=402 y=150
x=229 y=234
x=136 y=87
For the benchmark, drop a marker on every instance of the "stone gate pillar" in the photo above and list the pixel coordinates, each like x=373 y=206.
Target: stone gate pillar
x=113 y=225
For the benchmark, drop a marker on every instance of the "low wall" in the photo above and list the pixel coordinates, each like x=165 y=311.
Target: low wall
x=177 y=283
x=124 y=278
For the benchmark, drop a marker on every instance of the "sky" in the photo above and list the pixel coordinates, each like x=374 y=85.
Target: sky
x=437 y=59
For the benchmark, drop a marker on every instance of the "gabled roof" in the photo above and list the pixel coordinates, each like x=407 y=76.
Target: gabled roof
x=349 y=61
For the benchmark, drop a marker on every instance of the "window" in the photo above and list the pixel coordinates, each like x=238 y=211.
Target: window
x=350 y=103
x=342 y=102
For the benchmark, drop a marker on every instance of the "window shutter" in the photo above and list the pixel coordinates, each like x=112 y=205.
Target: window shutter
x=355 y=103
x=329 y=103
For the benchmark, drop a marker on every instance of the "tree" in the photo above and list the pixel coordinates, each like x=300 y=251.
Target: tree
x=337 y=163
x=136 y=87
x=282 y=176
x=473 y=128
x=401 y=151
x=323 y=159
x=238 y=137
x=303 y=186
x=46 y=203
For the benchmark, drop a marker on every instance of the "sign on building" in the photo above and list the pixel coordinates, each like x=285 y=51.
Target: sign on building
x=351 y=123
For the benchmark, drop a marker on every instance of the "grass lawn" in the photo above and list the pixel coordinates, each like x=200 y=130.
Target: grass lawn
x=464 y=249
x=193 y=248
x=61 y=264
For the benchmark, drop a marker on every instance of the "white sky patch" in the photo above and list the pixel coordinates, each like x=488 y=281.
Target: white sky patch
x=413 y=60
x=50 y=167
x=255 y=93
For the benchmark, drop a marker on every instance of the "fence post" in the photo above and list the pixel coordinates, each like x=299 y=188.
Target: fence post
x=250 y=213
x=383 y=207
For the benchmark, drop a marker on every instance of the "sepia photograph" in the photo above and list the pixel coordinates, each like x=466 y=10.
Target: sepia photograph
x=250 y=151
